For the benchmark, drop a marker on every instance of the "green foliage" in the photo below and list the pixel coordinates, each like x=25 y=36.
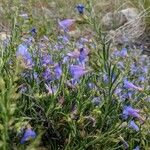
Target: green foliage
x=66 y=120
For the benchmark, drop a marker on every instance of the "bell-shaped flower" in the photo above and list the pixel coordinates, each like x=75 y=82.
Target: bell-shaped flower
x=130 y=85
x=58 y=71
x=66 y=24
x=28 y=134
x=80 y=8
x=77 y=71
x=134 y=126
x=129 y=111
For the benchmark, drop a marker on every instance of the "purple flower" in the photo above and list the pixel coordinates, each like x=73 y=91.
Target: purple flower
x=118 y=91
x=58 y=46
x=145 y=69
x=74 y=81
x=74 y=54
x=22 y=52
x=130 y=85
x=77 y=71
x=123 y=52
x=133 y=125
x=65 y=60
x=47 y=74
x=116 y=53
x=28 y=134
x=58 y=71
x=137 y=148
x=66 y=24
x=134 y=69
x=46 y=60
x=83 y=54
x=129 y=111
x=141 y=79
x=80 y=8
x=127 y=95
x=63 y=39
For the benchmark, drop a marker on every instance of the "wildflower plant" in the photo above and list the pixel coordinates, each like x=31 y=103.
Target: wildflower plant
x=62 y=92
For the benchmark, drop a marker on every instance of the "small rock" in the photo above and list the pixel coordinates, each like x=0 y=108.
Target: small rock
x=130 y=13
x=124 y=26
x=4 y=36
x=113 y=20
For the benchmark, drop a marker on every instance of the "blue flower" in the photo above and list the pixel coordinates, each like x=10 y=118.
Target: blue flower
x=58 y=71
x=116 y=53
x=144 y=69
x=137 y=148
x=141 y=79
x=80 y=8
x=28 y=134
x=134 y=69
x=83 y=55
x=129 y=111
x=130 y=85
x=127 y=95
x=74 y=54
x=47 y=74
x=77 y=71
x=65 y=60
x=33 y=31
x=74 y=81
x=133 y=125
x=22 y=52
x=58 y=46
x=118 y=91
x=123 y=52
x=46 y=60
x=66 y=24
x=63 y=39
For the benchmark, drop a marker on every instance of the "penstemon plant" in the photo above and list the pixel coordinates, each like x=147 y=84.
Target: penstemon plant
x=59 y=91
